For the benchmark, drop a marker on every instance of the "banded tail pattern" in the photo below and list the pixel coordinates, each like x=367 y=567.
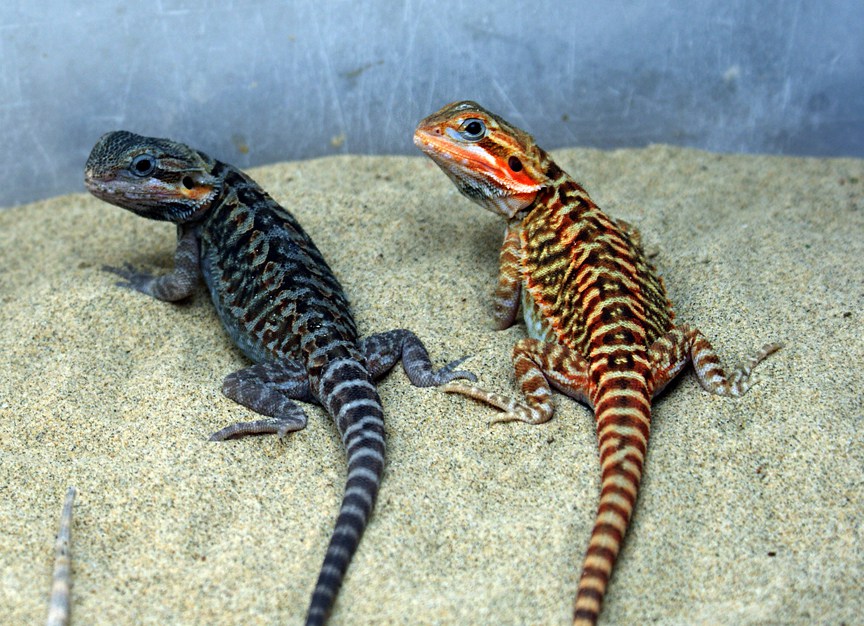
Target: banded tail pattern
x=281 y=305
x=352 y=400
x=600 y=326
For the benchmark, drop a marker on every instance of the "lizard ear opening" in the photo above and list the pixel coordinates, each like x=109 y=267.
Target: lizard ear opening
x=515 y=164
x=188 y=182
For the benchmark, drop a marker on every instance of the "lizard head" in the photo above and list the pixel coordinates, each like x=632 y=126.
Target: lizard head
x=154 y=178
x=490 y=161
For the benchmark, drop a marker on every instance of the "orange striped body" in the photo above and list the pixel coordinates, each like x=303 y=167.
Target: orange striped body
x=599 y=323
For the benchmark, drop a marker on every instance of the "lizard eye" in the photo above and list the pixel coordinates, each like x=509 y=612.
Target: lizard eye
x=143 y=165
x=473 y=129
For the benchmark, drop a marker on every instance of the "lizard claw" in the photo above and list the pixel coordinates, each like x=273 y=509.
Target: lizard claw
x=513 y=411
x=454 y=387
x=448 y=373
x=135 y=280
x=127 y=271
x=279 y=426
x=521 y=413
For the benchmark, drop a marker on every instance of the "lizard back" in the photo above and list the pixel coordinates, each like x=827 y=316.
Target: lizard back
x=590 y=284
x=272 y=288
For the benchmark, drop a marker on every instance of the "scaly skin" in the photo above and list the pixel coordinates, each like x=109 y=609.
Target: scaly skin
x=281 y=305
x=599 y=322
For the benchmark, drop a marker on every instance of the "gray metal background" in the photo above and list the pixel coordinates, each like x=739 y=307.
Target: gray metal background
x=258 y=82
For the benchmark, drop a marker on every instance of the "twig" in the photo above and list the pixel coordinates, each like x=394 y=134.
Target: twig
x=58 y=608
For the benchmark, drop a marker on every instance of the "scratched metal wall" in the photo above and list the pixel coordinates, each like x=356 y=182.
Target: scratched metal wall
x=264 y=81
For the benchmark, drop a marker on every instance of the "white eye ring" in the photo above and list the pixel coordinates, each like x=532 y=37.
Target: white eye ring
x=473 y=129
x=143 y=165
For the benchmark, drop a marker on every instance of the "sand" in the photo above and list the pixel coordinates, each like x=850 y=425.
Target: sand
x=750 y=510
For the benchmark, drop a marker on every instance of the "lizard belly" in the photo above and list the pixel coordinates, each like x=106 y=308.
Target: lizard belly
x=535 y=324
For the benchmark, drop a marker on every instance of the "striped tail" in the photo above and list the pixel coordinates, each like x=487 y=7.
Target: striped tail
x=623 y=414
x=347 y=392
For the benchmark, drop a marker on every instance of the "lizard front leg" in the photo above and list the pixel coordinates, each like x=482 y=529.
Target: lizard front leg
x=383 y=350
x=683 y=344
x=536 y=365
x=509 y=289
x=268 y=389
x=171 y=287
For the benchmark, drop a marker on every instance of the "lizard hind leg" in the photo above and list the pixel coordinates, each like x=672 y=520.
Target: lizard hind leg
x=671 y=352
x=383 y=350
x=536 y=365
x=268 y=389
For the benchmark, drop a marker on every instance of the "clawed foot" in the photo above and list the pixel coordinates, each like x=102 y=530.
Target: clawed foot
x=743 y=378
x=133 y=278
x=521 y=413
x=448 y=373
x=513 y=411
x=269 y=426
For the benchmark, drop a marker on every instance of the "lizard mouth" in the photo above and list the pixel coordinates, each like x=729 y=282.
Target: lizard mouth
x=432 y=143
x=99 y=188
x=476 y=172
x=472 y=162
x=444 y=152
x=125 y=196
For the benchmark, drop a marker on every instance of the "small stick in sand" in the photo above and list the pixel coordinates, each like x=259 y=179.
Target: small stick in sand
x=58 y=608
